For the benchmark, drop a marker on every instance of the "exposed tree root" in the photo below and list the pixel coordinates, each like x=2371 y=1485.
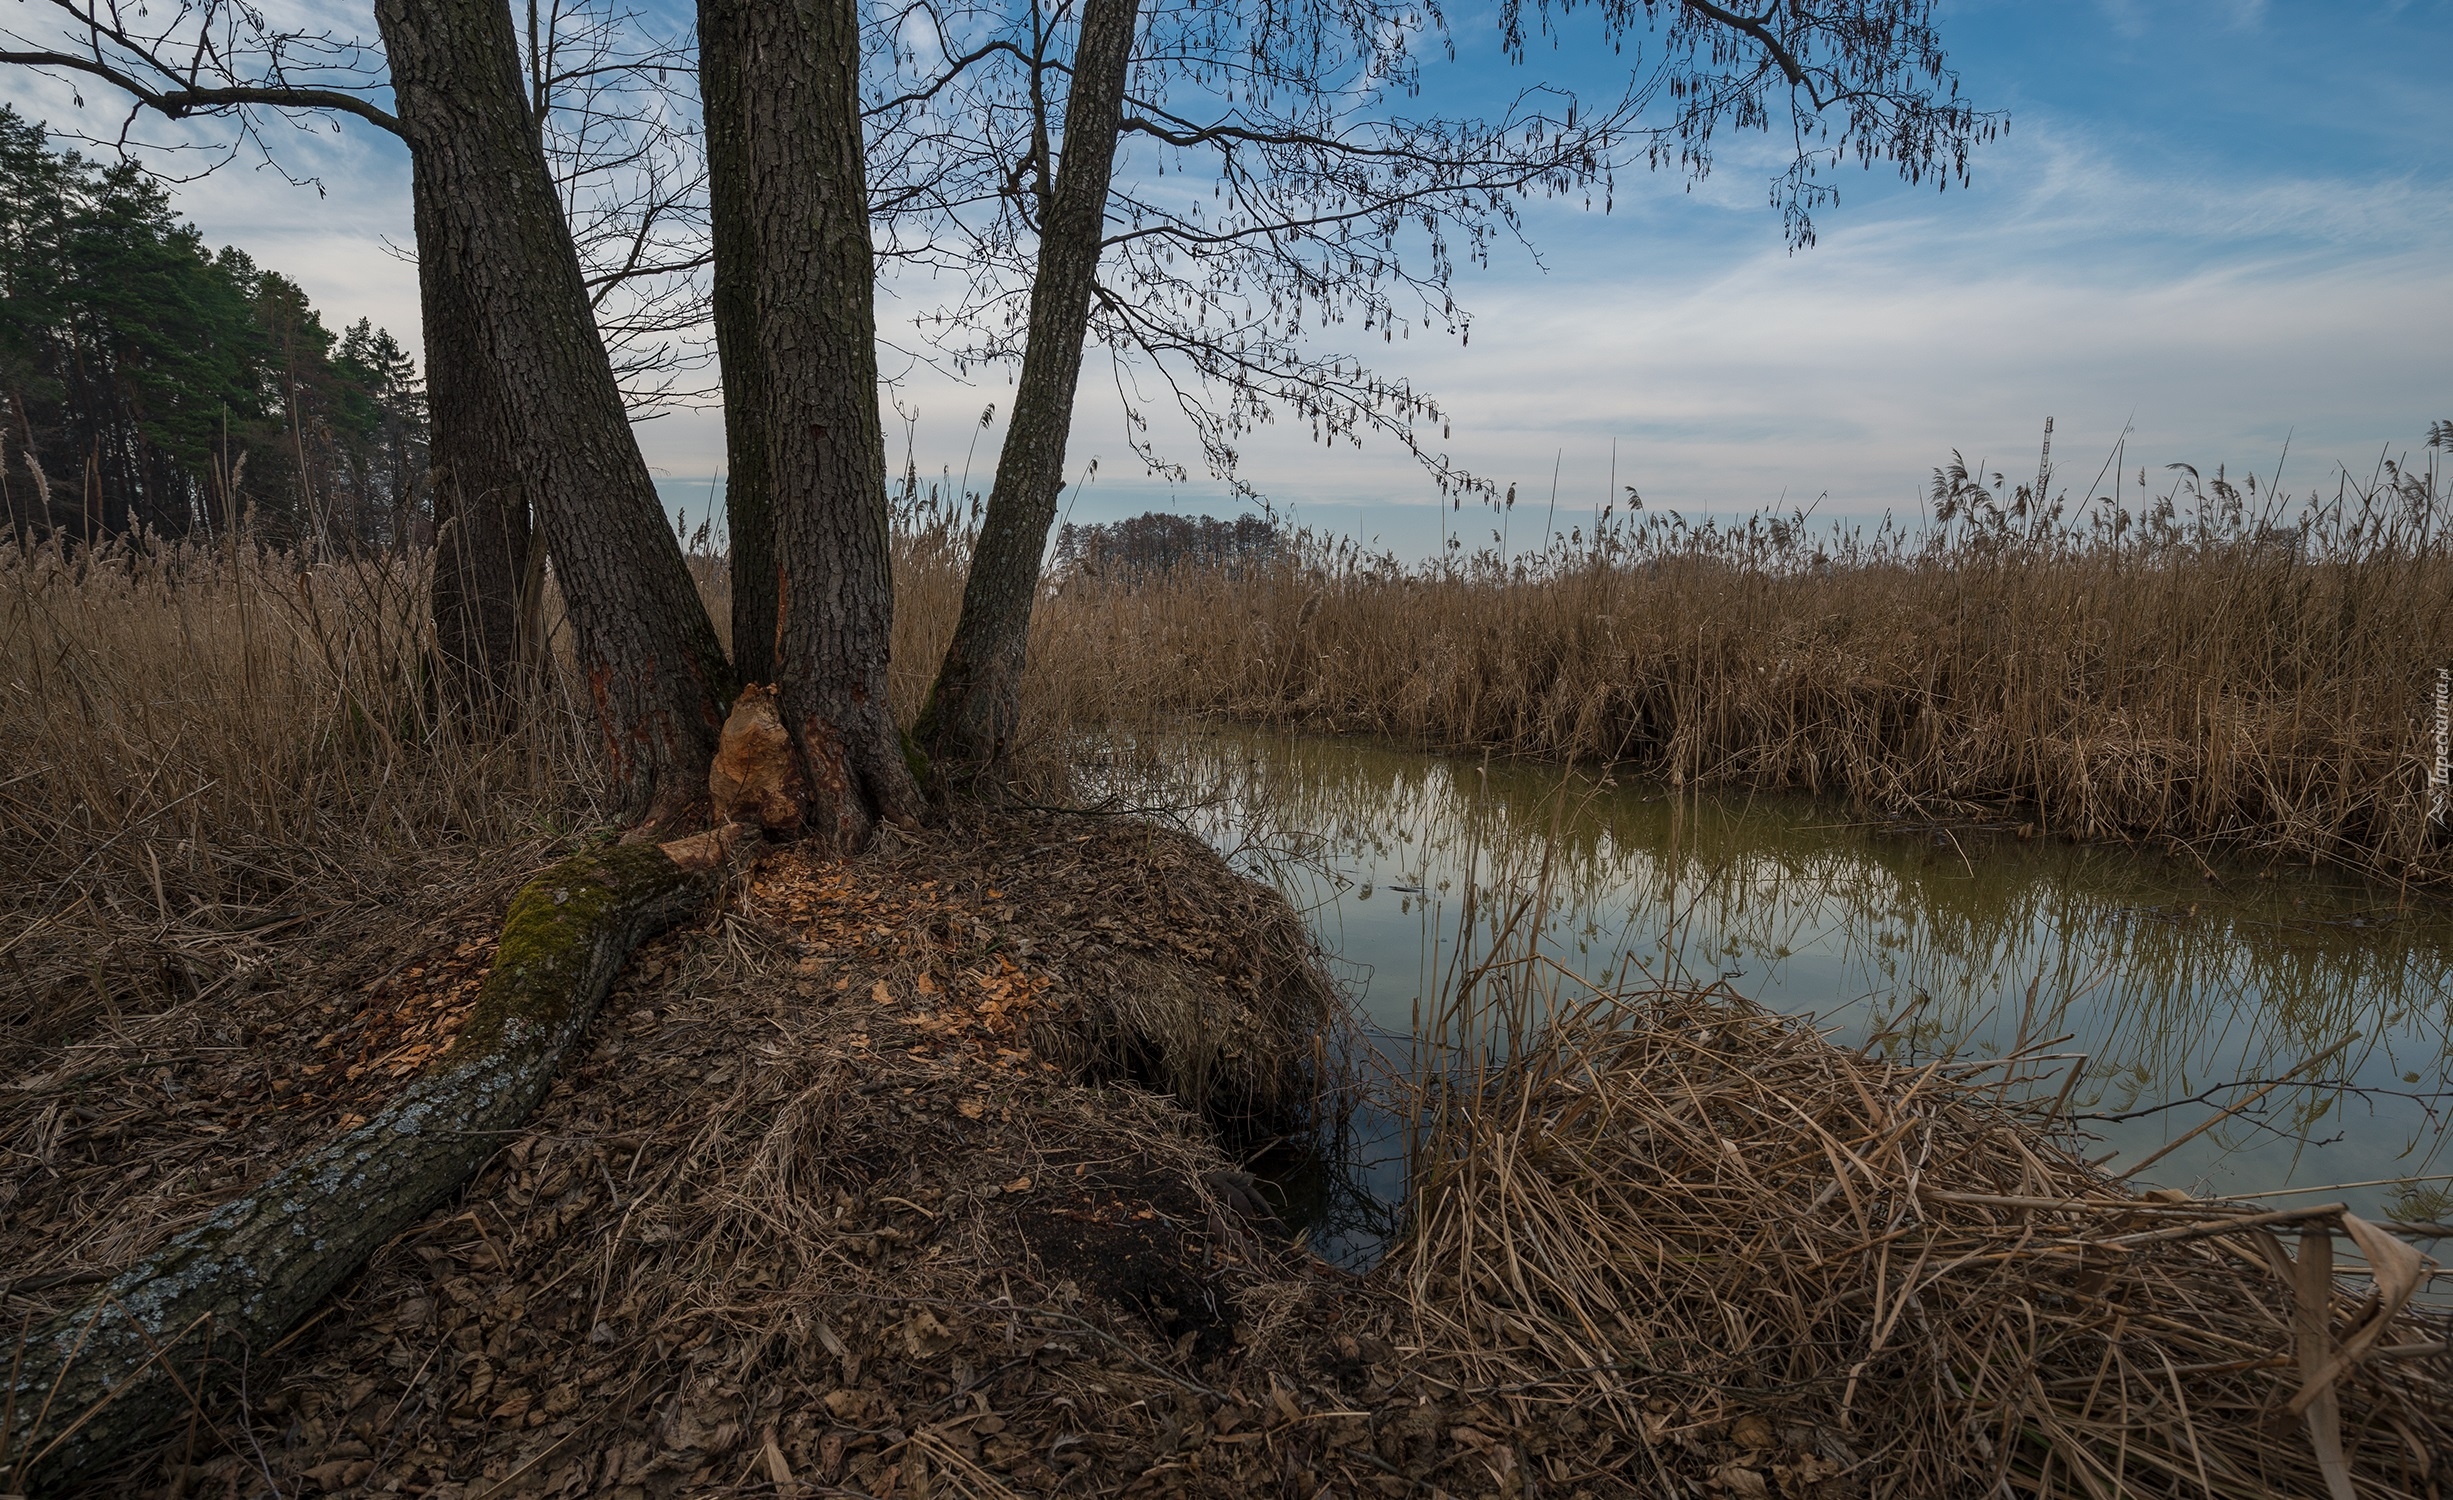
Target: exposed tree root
x=94 y=1383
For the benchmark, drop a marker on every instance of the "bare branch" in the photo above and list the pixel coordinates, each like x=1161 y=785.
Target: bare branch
x=179 y=103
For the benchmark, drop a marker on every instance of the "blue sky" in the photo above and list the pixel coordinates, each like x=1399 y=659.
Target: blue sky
x=2223 y=226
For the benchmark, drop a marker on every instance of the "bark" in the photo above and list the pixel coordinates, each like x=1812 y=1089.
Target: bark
x=804 y=242
x=492 y=240
x=749 y=514
x=97 y=1385
x=482 y=532
x=968 y=726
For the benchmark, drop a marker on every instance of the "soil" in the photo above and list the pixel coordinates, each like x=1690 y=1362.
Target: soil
x=817 y=1210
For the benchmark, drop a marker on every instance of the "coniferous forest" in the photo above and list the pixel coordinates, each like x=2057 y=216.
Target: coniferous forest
x=154 y=383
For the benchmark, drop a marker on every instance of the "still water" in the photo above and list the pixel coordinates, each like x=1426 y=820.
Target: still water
x=2180 y=984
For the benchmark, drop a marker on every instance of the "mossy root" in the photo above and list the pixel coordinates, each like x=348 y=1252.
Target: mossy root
x=97 y=1384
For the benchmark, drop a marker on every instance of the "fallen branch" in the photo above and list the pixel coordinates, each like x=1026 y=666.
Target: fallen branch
x=94 y=1385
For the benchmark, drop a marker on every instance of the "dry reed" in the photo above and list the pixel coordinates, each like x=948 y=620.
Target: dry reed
x=1780 y=1266
x=213 y=751
x=2196 y=676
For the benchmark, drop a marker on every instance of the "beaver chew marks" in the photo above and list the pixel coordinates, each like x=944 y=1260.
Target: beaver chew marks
x=756 y=776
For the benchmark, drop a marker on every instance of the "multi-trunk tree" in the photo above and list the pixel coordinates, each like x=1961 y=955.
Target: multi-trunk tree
x=1277 y=178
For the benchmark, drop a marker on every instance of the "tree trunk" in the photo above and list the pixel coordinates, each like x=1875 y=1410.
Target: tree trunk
x=804 y=242
x=482 y=533
x=968 y=725
x=749 y=503
x=97 y=1385
x=492 y=233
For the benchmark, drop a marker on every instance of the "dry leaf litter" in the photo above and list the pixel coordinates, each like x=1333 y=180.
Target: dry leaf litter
x=902 y=1176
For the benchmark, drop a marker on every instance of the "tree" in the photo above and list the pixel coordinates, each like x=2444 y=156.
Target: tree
x=1327 y=201
x=171 y=387
x=971 y=710
x=797 y=326
x=386 y=425
x=527 y=416
x=1155 y=543
x=498 y=268
x=749 y=507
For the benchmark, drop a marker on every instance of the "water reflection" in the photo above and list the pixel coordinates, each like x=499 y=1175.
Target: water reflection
x=2171 y=978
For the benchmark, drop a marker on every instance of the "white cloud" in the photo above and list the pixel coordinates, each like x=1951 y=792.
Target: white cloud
x=2091 y=276
x=2219 y=318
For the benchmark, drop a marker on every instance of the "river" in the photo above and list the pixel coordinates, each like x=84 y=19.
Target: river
x=2180 y=983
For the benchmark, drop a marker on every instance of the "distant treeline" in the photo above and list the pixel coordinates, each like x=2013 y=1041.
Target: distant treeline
x=1157 y=543
x=148 y=381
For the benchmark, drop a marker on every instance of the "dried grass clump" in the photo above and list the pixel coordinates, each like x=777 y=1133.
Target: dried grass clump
x=1779 y=1266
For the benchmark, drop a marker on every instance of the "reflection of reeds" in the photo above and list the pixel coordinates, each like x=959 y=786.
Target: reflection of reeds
x=2201 y=679
x=1768 y=1261
x=1908 y=943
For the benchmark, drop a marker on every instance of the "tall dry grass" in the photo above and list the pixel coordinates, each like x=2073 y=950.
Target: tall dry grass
x=212 y=757
x=2211 y=669
x=205 y=748
x=213 y=754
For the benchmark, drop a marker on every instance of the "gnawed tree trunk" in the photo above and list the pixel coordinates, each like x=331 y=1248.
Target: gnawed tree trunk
x=491 y=231
x=97 y=1385
x=968 y=725
x=749 y=509
x=805 y=243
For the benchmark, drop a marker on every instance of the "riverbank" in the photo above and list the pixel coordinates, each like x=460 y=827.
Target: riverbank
x=877 y=1115
x=2206 y=682
x=251 y=892
x=859 y=1186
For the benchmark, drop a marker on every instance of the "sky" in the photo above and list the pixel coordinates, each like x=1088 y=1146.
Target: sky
x=2219 y=233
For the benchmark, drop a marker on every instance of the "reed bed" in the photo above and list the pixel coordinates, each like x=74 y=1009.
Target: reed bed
x=2216 y=668
x=211 y=754
x=1775 y=1265
x=215 y=753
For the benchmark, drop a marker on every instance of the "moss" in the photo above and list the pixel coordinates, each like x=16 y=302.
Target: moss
x=554 y=923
